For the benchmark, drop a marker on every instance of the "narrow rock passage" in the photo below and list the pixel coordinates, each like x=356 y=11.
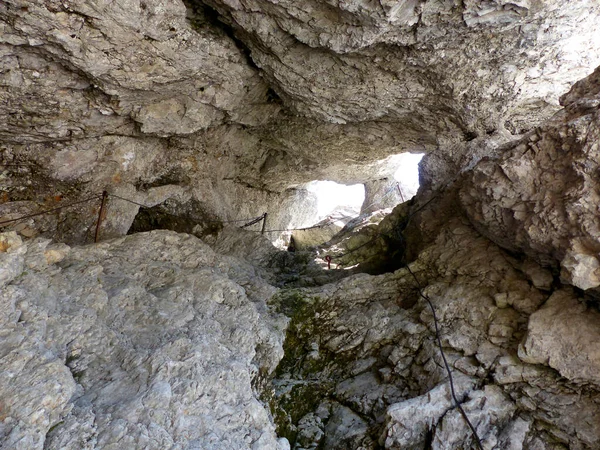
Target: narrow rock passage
x=201 y=115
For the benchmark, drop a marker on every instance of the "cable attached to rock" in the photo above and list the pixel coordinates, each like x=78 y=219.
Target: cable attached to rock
x=41 y=213
x=254 y=219
x=106 y=195
x=450 y=379
x=320 y=225
x=381 y=234
x=385 y=194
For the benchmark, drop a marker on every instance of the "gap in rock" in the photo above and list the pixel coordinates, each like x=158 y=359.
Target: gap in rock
x=398 y=182
x=206 y=19
x=343 y=211
x=407 y=173
x=334 y=198
x=399 y=186
x=332 y=206
x=190 y=217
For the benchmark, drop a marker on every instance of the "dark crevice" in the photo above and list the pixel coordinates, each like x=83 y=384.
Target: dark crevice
x=172 y=177
x=71 y=363
x=204 y=17
x=428 y=444
x=469 y=135
x=196 y=220
x=272 y=96
x=251 y=186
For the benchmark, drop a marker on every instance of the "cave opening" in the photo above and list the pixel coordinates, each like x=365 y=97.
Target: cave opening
x=342 y=210
x=398 y=183
x=336 y=199
x=190 y=217
x=407 y=174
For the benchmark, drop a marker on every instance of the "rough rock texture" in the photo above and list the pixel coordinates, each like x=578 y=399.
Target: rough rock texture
x=520 y=340
x=382 y=194
x=541 y=196
x=201 y=115
x=414 y=61
x=170 y=175
x=150 y=341
x=321 y=232
x=133 y=320
x=227 y=107
x=118 y=65
x=563 y=334
x=368 y=344
x=372 y=243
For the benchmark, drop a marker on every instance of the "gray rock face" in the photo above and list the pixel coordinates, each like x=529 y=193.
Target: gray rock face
x=382 y=194
x=150 y=341
x=408 y=422
x=116 y=64
x=526 y=375
x=155 y=341
x=411 y=61
x=563 y=334
x=234 y=106
x=222 y=110
x=540 y=196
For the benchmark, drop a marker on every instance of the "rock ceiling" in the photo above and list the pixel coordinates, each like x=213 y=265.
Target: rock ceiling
x=229 y=104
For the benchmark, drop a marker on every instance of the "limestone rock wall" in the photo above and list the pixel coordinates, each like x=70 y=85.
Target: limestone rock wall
x=221 y=110
x=94 y=69
x=362 y=368
x=540 y=197
x=419 y=63
x=154 y=339
x=150 y=341
x=230 y=106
